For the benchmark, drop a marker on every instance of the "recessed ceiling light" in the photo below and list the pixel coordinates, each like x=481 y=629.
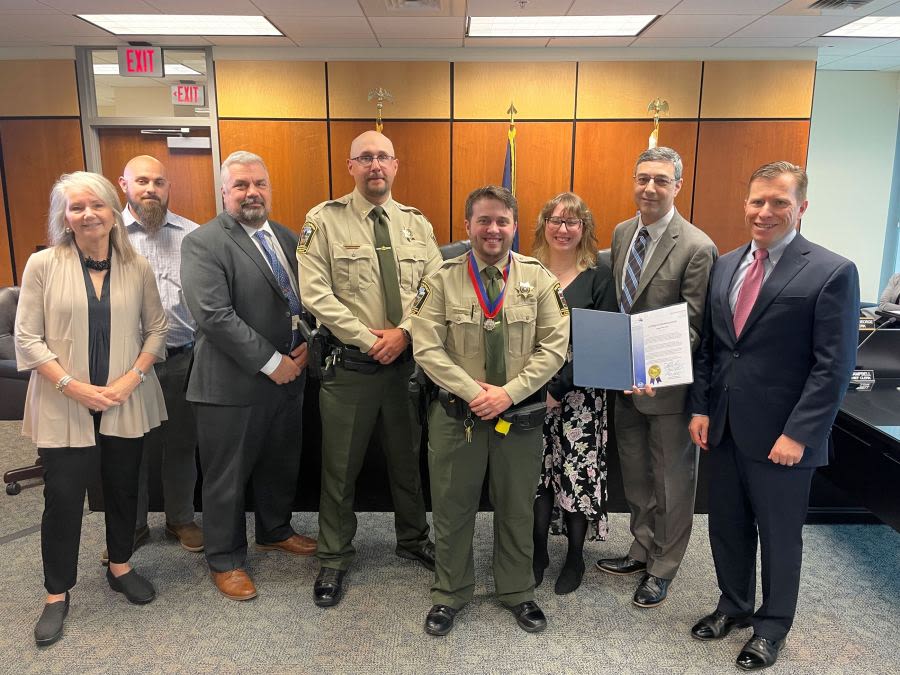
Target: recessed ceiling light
x=181 y=24
x=169 y=69
x=557 y=26
x=870 y=26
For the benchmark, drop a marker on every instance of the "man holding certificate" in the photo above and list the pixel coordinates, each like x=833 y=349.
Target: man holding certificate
x=658 y=259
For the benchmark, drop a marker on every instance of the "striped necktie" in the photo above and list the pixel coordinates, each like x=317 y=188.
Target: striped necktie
x=281 y=276
x=633 y=269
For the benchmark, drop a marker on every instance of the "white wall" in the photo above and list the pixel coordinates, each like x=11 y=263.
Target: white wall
x=853 y=138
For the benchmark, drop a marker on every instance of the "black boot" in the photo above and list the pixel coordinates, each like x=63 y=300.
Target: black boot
x=573 y=570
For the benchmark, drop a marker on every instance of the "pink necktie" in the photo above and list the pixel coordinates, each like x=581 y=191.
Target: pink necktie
x=749 y=290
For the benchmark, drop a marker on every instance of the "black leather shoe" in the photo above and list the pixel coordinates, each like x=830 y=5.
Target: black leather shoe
x=439 y=620
x=716 y=626
x=569 y=577
x=651 y=591
x=759 y=653
x=424 y=555
x=49 y=627
x=329 y=587
x=529 y=616
x=623 y=565
x=133 y=586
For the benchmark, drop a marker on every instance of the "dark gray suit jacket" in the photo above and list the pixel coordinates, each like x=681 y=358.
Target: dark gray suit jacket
x=242 y=316
x=678 y=271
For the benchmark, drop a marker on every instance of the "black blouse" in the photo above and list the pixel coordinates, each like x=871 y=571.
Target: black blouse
x=592 y=289
x=99 y=322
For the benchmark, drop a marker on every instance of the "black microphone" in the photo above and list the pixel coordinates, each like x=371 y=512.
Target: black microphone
x=892 y=317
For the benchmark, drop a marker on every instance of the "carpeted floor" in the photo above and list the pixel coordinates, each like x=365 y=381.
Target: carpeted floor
x=848 y=619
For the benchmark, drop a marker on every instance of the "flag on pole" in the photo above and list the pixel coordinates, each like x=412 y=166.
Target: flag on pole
x=509 y=166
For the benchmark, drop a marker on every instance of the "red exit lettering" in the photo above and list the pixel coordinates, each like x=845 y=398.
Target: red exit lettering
x=187 y=93
x=140 y=60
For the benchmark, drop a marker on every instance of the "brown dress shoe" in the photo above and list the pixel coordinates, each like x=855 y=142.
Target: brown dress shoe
x=296 y=544
x=189 y=535
x=235 y=584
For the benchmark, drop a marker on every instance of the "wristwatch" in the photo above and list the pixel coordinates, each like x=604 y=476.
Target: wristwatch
x=140 y=373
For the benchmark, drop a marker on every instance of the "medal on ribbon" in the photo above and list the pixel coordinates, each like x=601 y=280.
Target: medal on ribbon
x=488 y=308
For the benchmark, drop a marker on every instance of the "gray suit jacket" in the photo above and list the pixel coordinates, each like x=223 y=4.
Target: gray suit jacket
x=242 y=316
x=678 y=271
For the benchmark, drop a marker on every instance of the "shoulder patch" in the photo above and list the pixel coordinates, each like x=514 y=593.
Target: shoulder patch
x=560 y=300
x=421 y=296
x=306 y=235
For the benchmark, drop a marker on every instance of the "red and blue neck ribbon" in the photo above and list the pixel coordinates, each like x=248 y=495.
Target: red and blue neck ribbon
x=490 y=309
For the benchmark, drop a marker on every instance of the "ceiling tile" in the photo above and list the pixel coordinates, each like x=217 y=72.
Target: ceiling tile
x=373 y=8
x=851 y=45
x=745 y=42
x=677 y=42
x=618 y=8
x=25 y=7
x=890 y=49
x=505 y=42
x=697 y=25
x=170 y=41
x=239 y=7
x=801 y=8
x=757 y=7
x=792 y=26
x=261 y=41
x=356 y=42
x=322 y=26
x=591 y=41
x=512 y=8
x=407 y=27
x=58 y=27
x=101 y=7
x=891 y=10
x=437 y=43
x=309 y=7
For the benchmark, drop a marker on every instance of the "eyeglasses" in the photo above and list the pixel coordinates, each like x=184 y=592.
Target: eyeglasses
x=366 y=160
x=659 y=181
x=570 y=223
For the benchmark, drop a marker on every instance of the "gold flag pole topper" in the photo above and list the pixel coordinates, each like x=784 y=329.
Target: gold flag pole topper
x=657 y=107
x=382 y=95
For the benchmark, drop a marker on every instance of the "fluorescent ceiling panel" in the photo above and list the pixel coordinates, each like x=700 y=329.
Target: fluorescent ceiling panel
x=173 y=69
x=181 y=24
x=557 y=26
x=870 y=26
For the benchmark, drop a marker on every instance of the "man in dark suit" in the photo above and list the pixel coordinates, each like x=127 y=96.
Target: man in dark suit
x=777 y=351
x=248 y=372
x=658 y=259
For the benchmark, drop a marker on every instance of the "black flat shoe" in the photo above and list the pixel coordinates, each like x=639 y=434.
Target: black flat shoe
x=529 y=616
x=652 y=591
x=424 y=555
x=569 y=577
x=623 y=565
x=133 y=586
x=329 y=587
x=49 y=627
x=716 y=626
x=439 y=620
x=759 y=653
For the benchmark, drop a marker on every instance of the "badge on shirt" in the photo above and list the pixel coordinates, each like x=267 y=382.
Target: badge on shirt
x=561 y=300
x=407 y=234
x=524 y=289
x=421 y=296
x=306 y=235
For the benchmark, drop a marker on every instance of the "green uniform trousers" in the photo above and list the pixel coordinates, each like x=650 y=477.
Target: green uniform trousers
x=352 y=406
x=457 y=473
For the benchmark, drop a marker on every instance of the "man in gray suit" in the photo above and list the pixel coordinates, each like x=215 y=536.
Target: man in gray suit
x=658 y=259
x=248 y=372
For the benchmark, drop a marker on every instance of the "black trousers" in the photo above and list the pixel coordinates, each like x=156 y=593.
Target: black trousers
x=67 y=474
x=258 y=444
x=752 y=501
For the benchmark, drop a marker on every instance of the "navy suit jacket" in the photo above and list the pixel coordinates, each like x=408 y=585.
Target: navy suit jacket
x=789 y=369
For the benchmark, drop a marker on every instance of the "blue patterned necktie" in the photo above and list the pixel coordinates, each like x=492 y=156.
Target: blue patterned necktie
x=281 y=276
x=633 y=270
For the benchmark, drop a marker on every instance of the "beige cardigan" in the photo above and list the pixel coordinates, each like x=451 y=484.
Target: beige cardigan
x=52 y=323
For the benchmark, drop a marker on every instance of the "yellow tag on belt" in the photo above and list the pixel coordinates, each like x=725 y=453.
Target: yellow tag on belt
x=502 y=426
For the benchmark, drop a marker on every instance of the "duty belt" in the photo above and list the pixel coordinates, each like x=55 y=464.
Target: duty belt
x=527 y=415
x=353 y=359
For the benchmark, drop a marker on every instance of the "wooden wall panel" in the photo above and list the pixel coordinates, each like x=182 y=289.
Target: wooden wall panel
x=38 y=89
x=624 y=89
x=544 y=163
x=190 y=172
x=297 y=156
x=35 y=154
x=605 y=153
x=728 y=153
x=6 y=272
x=423 y=179
x=271 y=89
x=758 y=89
x=539 y=90
x=421 y=89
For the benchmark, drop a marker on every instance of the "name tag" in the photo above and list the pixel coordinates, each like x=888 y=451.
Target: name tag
x=295 y=322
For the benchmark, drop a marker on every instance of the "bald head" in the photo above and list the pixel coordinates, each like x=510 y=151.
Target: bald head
x=373 y=166
x=146 y=189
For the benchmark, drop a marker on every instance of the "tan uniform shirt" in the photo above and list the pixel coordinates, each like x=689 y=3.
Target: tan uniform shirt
x=448 y=333
x=340 y=280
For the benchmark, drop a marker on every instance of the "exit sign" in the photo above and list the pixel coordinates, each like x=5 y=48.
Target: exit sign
x=187 y=94
x=140 y=61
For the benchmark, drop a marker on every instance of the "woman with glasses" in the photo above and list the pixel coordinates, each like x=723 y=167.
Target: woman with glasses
x=571 y=495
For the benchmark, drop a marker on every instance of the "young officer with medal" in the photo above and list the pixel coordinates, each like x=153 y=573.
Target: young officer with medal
x=489 y=328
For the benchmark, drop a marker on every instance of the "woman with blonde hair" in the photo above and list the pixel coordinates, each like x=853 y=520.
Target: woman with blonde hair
x=571 y=495
x=89 y=327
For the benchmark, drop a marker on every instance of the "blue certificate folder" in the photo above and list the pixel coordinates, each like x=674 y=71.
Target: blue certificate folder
x=601 y=349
